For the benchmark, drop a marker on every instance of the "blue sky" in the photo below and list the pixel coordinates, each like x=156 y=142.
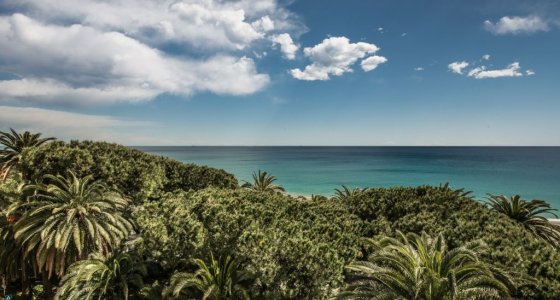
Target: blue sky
x=271 y=72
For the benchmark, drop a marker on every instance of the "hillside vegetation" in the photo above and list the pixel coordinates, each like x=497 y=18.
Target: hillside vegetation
x=110 y=222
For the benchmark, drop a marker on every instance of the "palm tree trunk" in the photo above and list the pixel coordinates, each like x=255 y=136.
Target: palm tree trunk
x=25 y=289
x=47 y=286
x=4 y=283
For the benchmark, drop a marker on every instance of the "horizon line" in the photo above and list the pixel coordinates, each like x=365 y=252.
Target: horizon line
x=355 y=146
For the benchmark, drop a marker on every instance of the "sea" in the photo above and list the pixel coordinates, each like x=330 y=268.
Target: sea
x=532 y=172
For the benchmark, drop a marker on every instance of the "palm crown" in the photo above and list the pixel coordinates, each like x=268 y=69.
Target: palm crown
x=14 y=143
x=530 y=214
x=68 y=218
x=219 y=280
x=263 y=182
x=419 y=267
x=100 y=277
x=345 y=193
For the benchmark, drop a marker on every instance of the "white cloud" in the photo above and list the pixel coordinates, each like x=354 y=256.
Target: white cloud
x=419 y=69
x=61 y=63
x=458 y=66
x=135 y=50
x=372 y=62
x=516 y=25
x=47 y=90
x=287 y=45
x=46 y=118
x=263 y=24
x=482 y=72
x=513 y=70
x=335 y=56
x=205 y=24
x=84 y=126
x=214 y=26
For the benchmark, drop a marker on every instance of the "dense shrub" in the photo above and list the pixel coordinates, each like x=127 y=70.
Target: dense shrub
x=462 y=219
x=137 y=174
x=295 y=249
x=171 y=232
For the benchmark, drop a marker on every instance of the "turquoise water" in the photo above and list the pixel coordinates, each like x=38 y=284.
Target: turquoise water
x=532 y=172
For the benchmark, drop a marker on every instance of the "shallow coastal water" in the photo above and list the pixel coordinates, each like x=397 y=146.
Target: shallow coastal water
x=532 y=172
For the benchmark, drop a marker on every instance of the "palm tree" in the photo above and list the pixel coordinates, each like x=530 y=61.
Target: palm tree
x=458 y=192
x=318 y=197
x=346 y=194
x=69 y=218
x=14 y=143
x=13 y=263
x=529 y=214
x=263 y=182
x=218 y=281
x=419 y=267
x=100 y=277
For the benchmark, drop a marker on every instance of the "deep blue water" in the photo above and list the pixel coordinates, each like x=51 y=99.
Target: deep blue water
x=532 y=172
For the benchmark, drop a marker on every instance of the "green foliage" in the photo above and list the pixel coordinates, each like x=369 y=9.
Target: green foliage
x=14 y=144
x=67 y=219
x=9 y=191
x=219 y=280
x=171 y=231
x=418 y=267
x=152 y=291
x=441 y=210
x=295 y=249
x=263 y=182
x=137 y=174
x=530 y=214
x=99 y=277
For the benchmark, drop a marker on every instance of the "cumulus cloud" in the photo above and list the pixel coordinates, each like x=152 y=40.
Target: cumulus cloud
x=458 y=66
x=204 y=24
x=482 y=72
x=486 y=57
x=372 y=62
x=287 y=45
x=122 y=50
x=335 y=56
x=419 y=69
x=263 y=24
x=89 y=65
x=516 y=25
x=512 y=70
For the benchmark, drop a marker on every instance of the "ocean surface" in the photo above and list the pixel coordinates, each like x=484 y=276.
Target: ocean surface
x=532 y=172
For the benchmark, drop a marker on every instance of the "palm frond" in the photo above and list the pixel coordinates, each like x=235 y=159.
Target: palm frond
x=14 y=144
x=219 y=279
x=414 y=266
x=67 y=218
x=263 y=182
x=530 y=214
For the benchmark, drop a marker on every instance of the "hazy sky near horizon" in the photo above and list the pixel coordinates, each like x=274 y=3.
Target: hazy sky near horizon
x=273 y=72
